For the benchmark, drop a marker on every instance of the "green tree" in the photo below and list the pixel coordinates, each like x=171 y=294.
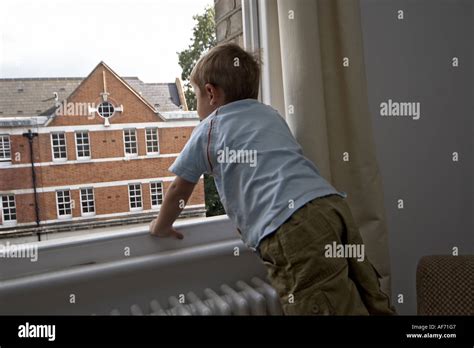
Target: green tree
x=204 y=38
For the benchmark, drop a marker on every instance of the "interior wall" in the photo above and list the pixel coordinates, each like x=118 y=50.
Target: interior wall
x=411 y=60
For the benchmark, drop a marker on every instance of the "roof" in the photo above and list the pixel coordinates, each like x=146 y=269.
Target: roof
x=163 y=96
x=26 y=97
x=33 y=96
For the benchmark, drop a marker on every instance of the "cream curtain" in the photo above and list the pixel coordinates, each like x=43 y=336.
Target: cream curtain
x=304 y=44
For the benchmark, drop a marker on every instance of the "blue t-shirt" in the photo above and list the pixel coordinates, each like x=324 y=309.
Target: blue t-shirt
x=259 y=169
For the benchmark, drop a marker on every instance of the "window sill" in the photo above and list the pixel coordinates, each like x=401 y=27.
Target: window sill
x=5 y=164
x=98 y=248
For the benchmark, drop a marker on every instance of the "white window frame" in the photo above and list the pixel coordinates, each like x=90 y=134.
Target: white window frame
x=125 y=143
x=88 y=200
x=154 y=206
x=130 y=197
x=259 y=20
x=77 y=144
x=154 y=132
x=9 y=222
x=6 y=149
x=71 y=204
x=53 y=146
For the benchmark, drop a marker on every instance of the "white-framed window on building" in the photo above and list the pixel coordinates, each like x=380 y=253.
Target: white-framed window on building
x=5 y=148
x=8 y=209
x=135 y=196
x=64 y=203
x=83 y=148
x=87 y=201
x=156 y=193
x=152 y=142
x=58 y=145
x=130 y=142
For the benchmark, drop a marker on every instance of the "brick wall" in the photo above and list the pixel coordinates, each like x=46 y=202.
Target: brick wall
x=229 y=21
x=107 y=143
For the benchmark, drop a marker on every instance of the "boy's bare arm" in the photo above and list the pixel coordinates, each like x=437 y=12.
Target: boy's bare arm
x=176 y=198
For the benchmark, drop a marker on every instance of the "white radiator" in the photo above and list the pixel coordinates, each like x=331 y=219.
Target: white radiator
x=256 y=299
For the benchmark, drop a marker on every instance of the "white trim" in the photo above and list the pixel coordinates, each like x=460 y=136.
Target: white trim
x=8 y=165
x=157 y=140
x=66 y=216
x=8 y=223
x=250 y=24
x=61 y=159
x=9 y=142
x=269 y=41
x=94 y=185
x=101 y=127
x=93 y=201
x=128 y=155
x=129 y=197
x=151 y=194
x=111 y=215
x=82 y=158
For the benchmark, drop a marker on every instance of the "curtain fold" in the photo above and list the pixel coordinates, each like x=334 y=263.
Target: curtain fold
x=326 y=107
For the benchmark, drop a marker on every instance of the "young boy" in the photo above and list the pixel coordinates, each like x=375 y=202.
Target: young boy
x=282 y=207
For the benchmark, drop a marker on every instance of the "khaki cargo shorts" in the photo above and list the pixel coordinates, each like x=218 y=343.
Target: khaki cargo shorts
x=309 y=276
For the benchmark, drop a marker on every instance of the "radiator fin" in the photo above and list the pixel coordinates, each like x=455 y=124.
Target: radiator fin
x=259 y=298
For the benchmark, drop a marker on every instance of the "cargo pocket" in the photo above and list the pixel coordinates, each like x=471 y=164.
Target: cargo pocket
x=310 y=302
x=385 y=307
x=379 y=278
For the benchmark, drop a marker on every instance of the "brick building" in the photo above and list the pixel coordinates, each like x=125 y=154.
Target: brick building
x=101 y=149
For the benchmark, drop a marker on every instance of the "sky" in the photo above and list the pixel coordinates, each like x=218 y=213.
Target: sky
x=66 y=38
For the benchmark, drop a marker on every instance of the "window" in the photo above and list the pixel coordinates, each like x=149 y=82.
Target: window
x=58 y=142
x=63 y=200
x=82 y=145
x=106 y=110
x=130 y=142
x=87 y=201
x=8 y=209
x=152 y=144
x=156 y=192
x=135 y=196
x=5 y=148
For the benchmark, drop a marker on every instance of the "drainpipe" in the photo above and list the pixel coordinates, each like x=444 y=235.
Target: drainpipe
x=30 y=136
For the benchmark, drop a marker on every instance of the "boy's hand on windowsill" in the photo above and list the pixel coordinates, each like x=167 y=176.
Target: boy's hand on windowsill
x=164 y=232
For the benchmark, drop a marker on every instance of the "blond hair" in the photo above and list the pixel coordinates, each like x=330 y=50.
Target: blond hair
x=230 y=68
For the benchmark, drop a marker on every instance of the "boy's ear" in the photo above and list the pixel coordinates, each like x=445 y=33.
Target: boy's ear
x=213 y=93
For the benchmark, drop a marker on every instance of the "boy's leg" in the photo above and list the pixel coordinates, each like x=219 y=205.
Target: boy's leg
x=363 y=273
x=307 y=279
